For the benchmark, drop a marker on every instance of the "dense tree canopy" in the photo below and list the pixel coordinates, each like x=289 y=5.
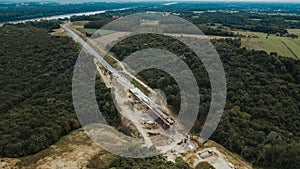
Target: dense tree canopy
x=36 y=90
x=261 y=119
x=46 y=24
x=261 y=116
x=156 y=162
x=246 y=21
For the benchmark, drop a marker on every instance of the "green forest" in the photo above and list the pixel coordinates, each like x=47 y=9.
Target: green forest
x=216 y=23
x=253 y=22
x=36 y=90
x=36 y=95
x=157 y=162
x=261 y=118
x=149 y=163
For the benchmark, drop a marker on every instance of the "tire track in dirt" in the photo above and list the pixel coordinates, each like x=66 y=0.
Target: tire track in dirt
x=295 y=55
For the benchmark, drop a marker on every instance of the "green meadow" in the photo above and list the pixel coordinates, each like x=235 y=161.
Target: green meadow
x=284 y=46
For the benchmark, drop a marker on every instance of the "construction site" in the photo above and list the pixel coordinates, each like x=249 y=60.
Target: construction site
x=156 y=112
x=153 y=121
x=159 y=128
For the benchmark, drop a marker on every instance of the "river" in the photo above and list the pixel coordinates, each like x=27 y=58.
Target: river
x=62 y=16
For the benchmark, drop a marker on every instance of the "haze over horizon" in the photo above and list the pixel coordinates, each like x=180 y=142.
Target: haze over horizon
x=77 y=1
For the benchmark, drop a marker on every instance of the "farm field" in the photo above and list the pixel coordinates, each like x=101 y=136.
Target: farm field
x=92 y=31
x=261 y=41
x=85 y=30
x=294 y=31
x=80 y=23
x=295 y=21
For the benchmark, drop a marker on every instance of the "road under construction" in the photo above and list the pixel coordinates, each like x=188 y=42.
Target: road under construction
x=165 y=119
